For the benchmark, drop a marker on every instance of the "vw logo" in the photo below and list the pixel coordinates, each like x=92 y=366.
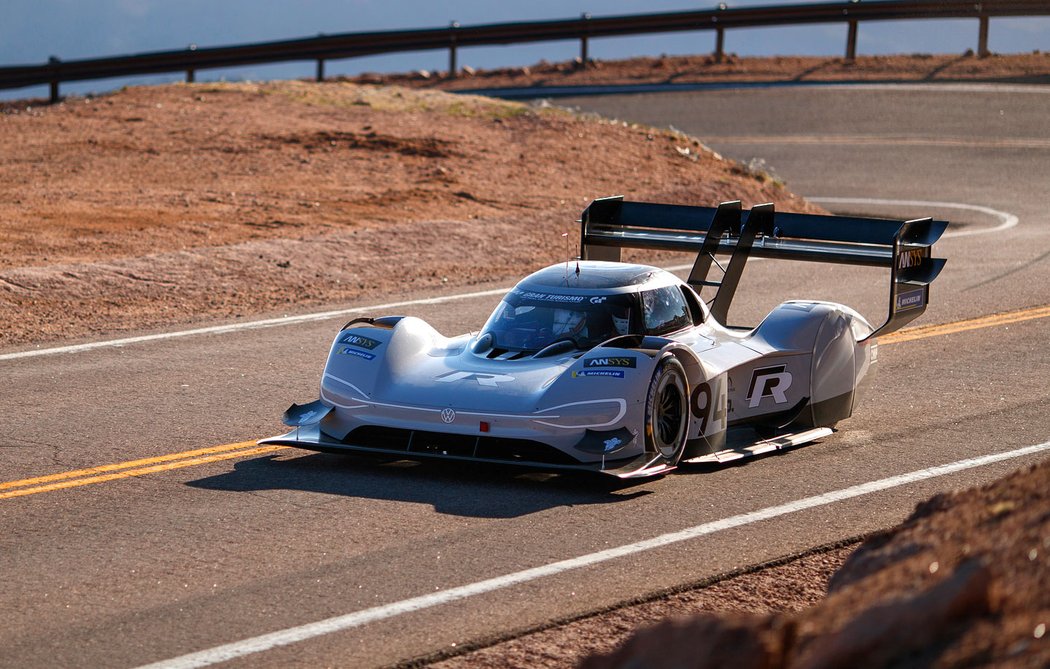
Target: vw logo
x=447 y=415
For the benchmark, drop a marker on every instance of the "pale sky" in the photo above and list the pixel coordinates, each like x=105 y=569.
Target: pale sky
x=33 y=30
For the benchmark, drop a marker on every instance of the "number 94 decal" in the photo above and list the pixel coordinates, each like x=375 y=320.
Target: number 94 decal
x=708 y=404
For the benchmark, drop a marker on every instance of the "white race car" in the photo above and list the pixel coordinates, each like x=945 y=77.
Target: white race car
x=621 y=368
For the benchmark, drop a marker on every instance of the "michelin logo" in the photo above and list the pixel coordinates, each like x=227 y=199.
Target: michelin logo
x=608 y=373
x=346 y=350
x=911 y=299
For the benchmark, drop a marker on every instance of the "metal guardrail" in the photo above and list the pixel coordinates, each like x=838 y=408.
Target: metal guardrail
x=351 y=45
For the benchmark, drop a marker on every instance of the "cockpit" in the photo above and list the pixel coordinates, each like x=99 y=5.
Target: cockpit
x=530 y=321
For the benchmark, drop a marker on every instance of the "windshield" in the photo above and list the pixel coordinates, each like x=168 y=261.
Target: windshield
x=530 y=321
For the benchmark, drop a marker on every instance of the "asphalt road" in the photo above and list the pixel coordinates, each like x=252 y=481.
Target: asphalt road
x=179 y=553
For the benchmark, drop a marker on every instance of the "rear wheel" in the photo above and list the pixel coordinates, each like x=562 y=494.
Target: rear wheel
x=667 y=411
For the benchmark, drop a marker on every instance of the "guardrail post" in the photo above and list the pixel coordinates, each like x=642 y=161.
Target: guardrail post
x=190 y=72
x=982 y=37
x=320 y=69
x=54 y=61
x=584 y=56
x=851 y=42
x=452 y=49
x=720 y=35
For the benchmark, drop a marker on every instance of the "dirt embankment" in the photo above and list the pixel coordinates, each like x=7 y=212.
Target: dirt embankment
x=963 y=582
x=177 y=204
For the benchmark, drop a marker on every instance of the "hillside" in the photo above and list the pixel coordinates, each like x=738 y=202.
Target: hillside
x=160 y=206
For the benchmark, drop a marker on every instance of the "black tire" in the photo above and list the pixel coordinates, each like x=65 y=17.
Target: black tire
x=667 y=411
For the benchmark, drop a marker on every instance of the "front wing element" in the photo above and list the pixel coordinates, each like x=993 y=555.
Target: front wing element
x=449 y=447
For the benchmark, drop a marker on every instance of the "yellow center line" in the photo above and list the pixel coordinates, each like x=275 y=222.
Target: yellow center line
x=926 y=331
x=102 y=478
x=243 y=449
x=124 y=465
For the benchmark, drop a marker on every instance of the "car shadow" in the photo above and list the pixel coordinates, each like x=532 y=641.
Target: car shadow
x=455 y=488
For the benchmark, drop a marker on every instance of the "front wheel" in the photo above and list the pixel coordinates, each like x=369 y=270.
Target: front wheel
x=667 y=411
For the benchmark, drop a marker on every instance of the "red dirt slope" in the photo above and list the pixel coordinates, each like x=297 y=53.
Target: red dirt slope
x=176 y=204
x=964 y=581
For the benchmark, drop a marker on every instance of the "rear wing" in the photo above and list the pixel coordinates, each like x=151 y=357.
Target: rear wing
x=904 y=247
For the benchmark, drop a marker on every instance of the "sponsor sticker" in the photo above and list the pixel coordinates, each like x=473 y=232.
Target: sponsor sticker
x=550 y=297
x=911 y=299
x=608 y=373
x=609 y=445
x=618 y=361
x=912 y=258
x=346 y=350
x=488 y=380
x=768 y=382
x=361 y=342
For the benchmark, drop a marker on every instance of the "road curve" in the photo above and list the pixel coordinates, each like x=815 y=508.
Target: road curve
x=190 y=540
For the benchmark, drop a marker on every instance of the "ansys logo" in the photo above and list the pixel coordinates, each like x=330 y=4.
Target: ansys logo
x=768 y=382
x=610 y=362
x=362 y=342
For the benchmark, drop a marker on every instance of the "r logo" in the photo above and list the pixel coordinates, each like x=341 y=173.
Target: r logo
x=490 y=380
x=768 y=382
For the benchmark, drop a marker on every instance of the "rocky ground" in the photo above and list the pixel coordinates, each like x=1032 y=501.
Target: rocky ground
x=152 y=208
x=963 y=582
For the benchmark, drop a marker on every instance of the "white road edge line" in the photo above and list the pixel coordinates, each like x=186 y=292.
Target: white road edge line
x=1007 y=220
x=249 y=325
x=292 y=635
